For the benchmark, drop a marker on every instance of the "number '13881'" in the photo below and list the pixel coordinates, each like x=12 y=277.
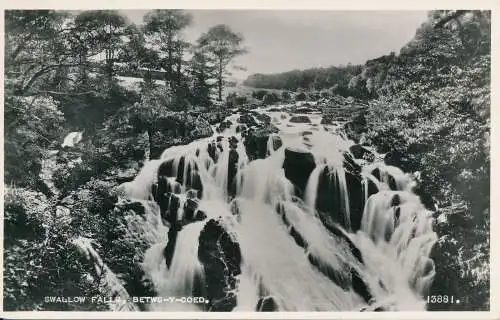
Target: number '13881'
x=441 y=299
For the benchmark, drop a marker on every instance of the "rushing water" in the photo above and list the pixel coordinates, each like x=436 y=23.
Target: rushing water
x=394 y=239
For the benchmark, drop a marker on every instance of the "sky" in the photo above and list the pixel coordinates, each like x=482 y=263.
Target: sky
x=279 y=41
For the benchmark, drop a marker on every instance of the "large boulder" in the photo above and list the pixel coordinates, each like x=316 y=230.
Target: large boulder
x=360 y=152
x=247 y=119
x=256 y=142
x=262 y=117
x=298 y=166
x=221 y=258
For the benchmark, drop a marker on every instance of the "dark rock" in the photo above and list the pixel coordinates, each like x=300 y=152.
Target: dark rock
x=232 y=170
x=262 y=117
x=360 y=287
x=233 y=142
x=350 y=165
x=240 y=128
x=190 y=207
x=298 y=238
x=306 y=133
x=327 y=119
x=200 y=216
x=266 y=304
x=212 y=151
x=224 y=125
x=298 y=166
x=396 y=200
x=360 y=152
x=300 y=119
x=168 y=252
x=221 y=259
x=247 y=119
x=134 y=206
x=328 y=271
x=356 y=199
x=256 y=142
x=166 y=169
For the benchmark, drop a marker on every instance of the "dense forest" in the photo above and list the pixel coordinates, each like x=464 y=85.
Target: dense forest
x=429 y=106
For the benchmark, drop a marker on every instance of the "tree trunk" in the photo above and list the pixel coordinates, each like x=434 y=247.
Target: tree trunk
x=220 y=79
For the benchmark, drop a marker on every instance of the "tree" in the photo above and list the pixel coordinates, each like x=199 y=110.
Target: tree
x=103 y=31
x=35 y=48
x=224 y=45
x=201 y=70
x=163 y=31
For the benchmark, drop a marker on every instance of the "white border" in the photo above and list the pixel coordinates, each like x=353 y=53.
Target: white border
x=493 y=5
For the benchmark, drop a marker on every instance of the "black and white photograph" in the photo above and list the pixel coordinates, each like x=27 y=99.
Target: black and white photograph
x=189 y=160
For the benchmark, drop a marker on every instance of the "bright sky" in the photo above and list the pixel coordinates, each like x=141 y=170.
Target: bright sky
x=280 y=41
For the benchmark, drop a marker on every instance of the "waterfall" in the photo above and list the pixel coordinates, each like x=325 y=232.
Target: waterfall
x=300 y=250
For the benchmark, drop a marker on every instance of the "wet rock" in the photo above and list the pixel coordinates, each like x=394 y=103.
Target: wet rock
x=190 y=207
x=247 y=119
x=200 y=216
x=212 y=151
x=262 y=117
x=298 y=238
x=233 y=142
x=232 y=170
x=298 y=166
x=360 y=152
x=328 y=271
x=266 y=304
x=135 y=206
x=256 y=142
x=356 y=199
x=240 y=128
x=221 y=259
x=300 y=119
x=168 y=252
x=166 y=169
x=350 y=164
x=223 y=126
x=327 y=119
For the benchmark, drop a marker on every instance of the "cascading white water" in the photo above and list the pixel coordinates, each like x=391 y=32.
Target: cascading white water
x=395 y=238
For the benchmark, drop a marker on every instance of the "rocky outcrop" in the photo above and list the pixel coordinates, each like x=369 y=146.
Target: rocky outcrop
x=248 y=119
x=300 y=119
x=298 y=166
x=256 y=142
x=360 y=152
x=266 y=304
x=221 y=259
